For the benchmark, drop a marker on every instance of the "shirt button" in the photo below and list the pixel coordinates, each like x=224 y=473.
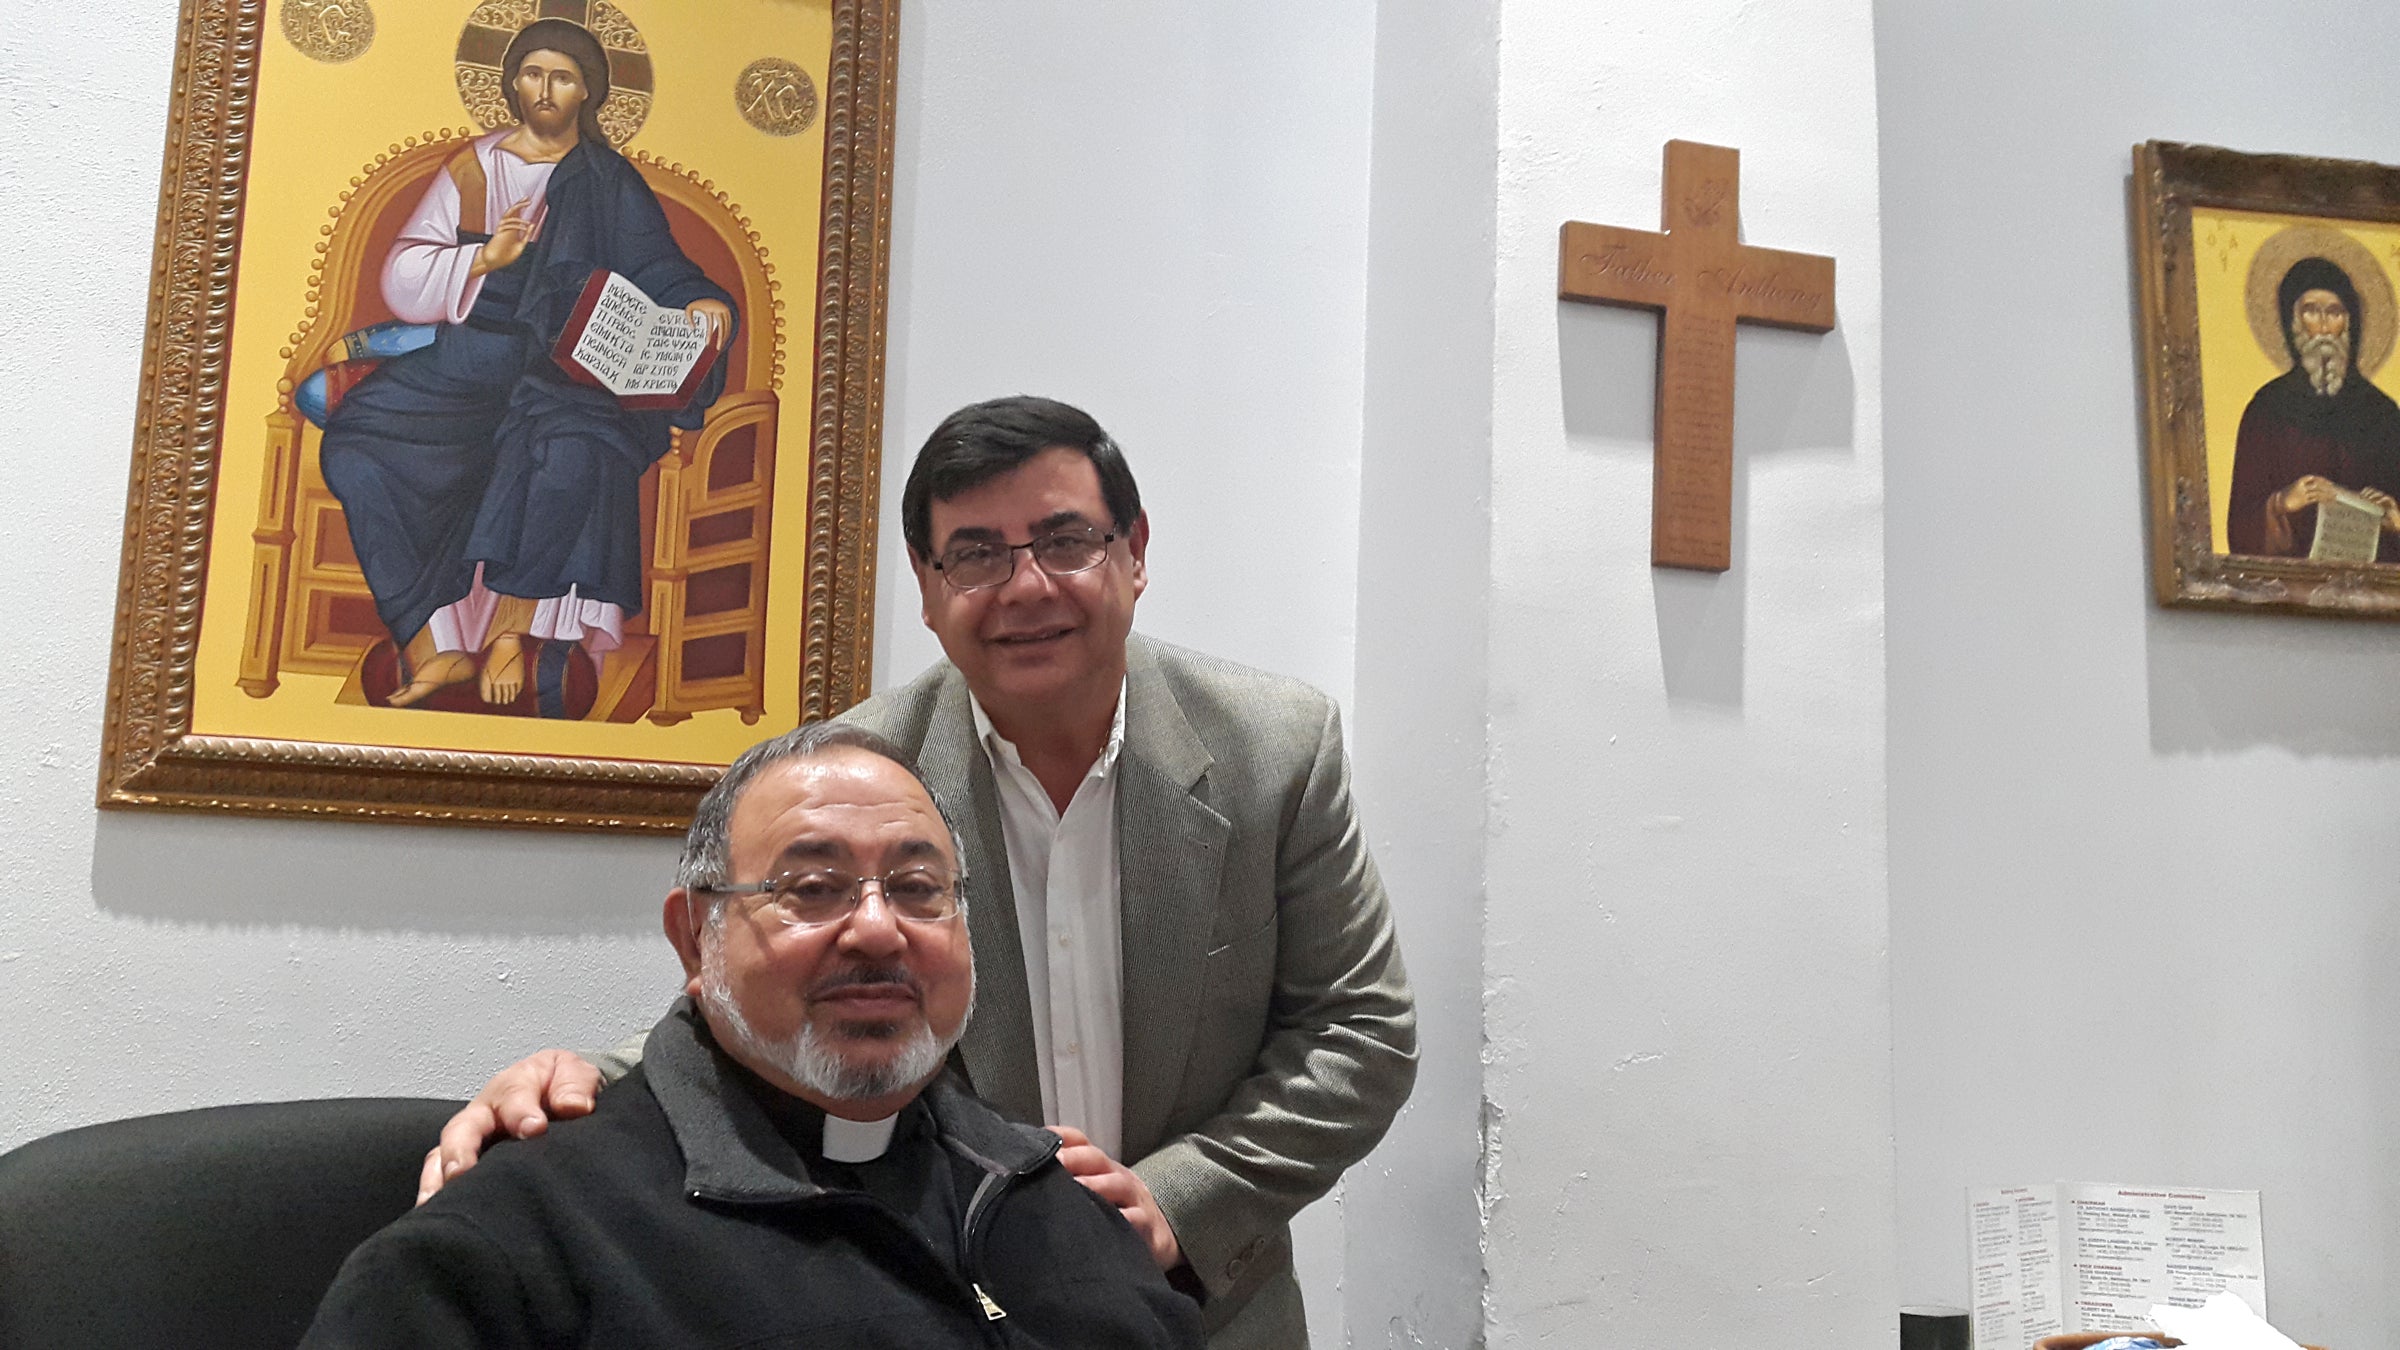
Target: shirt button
x=1074 y=1047
x=1063 y=941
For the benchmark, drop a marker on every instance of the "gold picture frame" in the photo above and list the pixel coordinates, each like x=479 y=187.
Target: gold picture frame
x=2267 y=287
x=226 y=689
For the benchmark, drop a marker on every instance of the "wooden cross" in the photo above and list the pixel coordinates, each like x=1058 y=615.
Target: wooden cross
x=1701 y=278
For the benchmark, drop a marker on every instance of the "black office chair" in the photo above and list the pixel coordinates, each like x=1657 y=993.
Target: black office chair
x=199 y=1229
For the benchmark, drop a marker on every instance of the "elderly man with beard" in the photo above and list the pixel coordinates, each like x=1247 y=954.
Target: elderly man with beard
x=789 y=1164
x=2318 y=430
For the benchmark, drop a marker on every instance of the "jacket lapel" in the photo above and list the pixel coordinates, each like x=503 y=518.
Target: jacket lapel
x=998 y=1045
x=1170 y=852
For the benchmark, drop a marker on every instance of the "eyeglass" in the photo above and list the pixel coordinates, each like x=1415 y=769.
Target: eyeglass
x=827 y=895
x=985 y=563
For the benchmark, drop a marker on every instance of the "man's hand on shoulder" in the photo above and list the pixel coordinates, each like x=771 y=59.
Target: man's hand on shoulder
x=1119 y=1185
x=519 y=1103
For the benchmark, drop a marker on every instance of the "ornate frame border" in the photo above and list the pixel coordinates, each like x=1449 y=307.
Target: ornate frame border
x=2169 y=180
x=149 y=756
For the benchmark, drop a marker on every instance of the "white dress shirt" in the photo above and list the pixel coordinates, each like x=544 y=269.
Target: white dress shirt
x=1063 y=869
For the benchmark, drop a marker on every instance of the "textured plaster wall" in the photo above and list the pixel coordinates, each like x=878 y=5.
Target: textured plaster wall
x=1157 y=213
x=1413 y=1260
x=2143 y=926
x=1687 y=1028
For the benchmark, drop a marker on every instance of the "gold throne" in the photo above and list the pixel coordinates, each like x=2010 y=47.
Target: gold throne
x=699 y=642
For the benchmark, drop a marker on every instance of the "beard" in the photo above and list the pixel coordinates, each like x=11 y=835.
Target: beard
x=550 y=116
x=806 y=1058
x=2326 y=358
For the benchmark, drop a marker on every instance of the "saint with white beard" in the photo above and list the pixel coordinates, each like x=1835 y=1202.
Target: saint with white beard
x=2318 y=431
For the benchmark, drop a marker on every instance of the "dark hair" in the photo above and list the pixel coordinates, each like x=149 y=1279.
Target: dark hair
x=708 y=845
x=2319 y=274
x=573 y=41
x=982 y=441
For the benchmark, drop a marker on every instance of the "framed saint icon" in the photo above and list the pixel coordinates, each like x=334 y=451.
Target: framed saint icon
x=511 y=409
x=2270 y=293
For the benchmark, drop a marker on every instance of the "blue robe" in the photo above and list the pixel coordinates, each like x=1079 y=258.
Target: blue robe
x=480 y=449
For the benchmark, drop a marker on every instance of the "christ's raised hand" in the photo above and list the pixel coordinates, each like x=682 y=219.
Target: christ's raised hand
x=518 y=228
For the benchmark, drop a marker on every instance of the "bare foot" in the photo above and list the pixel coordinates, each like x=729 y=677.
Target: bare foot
x=503 y=669
x=439 y=672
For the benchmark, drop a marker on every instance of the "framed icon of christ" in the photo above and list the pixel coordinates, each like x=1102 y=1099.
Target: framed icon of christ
x=510 y=412
x=2268 y=288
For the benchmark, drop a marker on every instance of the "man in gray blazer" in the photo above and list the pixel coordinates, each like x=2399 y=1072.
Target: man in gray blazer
x=1187 y=959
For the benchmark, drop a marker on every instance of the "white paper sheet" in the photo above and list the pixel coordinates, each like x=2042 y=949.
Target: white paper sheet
x=2012 y=1236
x=2076 y=1257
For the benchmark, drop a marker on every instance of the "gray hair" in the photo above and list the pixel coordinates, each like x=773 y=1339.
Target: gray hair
x=708 y=845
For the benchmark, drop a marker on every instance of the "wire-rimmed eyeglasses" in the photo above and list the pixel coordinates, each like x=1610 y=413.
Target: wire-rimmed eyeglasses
x=825 y=895
x=983 y=563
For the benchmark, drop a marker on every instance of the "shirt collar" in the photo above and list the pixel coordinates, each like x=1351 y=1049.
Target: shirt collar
x=1004 y=751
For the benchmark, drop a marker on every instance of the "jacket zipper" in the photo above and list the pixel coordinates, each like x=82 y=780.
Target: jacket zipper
x=991 y=1310
x=979 y=1207
x=987 y=1192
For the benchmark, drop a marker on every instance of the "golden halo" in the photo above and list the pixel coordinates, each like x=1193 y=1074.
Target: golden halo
x=2289 y=245
x=483 y=43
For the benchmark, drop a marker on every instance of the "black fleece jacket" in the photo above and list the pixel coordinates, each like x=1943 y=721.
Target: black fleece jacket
x=679 y=1214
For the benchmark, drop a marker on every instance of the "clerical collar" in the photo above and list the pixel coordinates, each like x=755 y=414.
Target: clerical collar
x=817 y=1134
x=857 y=1141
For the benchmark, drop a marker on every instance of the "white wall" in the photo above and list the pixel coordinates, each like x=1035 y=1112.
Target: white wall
x=1413 y=1263
x=1686 y=1023
x=2094 y=799
x=1158 y=214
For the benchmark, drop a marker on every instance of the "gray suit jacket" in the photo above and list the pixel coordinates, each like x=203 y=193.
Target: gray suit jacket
x=1269 y=1031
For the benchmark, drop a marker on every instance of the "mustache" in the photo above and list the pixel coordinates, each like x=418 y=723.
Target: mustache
x=858 y=976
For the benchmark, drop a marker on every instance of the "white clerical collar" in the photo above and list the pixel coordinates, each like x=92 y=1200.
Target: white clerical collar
x=1004 y=750
x=857 y=1141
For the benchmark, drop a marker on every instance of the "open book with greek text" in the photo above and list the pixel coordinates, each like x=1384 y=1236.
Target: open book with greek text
x=649 y=356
